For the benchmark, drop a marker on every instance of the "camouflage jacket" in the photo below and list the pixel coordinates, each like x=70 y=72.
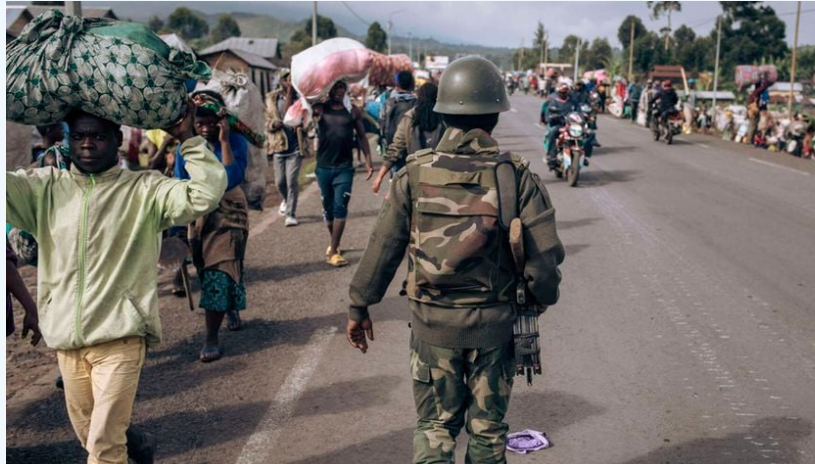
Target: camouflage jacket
x=443 y=209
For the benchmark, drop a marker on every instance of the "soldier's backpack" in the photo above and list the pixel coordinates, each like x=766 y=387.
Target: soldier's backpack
x=458 y=252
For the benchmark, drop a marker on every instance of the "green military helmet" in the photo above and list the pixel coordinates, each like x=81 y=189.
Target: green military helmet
x=471 y=85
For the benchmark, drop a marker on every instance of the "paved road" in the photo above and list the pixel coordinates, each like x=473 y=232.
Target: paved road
x=684 y=333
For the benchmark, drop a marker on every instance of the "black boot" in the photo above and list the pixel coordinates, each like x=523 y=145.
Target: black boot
x=141 y=446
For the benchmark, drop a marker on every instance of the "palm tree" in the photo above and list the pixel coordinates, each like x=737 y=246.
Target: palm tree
x=665 y=8
x=614 y=66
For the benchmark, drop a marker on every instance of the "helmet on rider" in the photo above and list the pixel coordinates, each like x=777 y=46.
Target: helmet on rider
x=666 y=84
x=563 y=89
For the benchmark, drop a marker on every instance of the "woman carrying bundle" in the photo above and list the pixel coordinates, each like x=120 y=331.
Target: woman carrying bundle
x=219 y=239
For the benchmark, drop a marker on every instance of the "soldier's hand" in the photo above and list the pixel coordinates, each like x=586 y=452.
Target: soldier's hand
x=357 y=332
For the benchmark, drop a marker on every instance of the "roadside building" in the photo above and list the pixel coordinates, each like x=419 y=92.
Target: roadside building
x=257 y=58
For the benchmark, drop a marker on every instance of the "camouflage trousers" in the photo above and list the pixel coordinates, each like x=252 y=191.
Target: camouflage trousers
x=454 y=387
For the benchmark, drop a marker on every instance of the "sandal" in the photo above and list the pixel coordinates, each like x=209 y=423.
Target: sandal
x=233 y=320
x=209 y=354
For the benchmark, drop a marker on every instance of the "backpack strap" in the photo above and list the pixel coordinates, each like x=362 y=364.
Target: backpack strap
x=506 y=182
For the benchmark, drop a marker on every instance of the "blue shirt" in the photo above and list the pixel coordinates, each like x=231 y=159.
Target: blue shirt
x=235 y=172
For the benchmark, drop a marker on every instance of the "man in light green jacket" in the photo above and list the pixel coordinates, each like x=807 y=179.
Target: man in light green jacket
x=99 y=232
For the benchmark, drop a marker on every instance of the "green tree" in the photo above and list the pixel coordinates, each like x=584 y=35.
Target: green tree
x=566 y=54
x=694 y=53
x=648 y=53
x=377 y=38
x=183 y=22
x=227 y=27
x=751 y=34
x=155 y=24
x=301 y=39
x=624 y=31
x=659 y=9
x=325 y=28
x=598 y=54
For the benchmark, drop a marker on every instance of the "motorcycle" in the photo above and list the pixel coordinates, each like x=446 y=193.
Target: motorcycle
x=571 y=148
x=666 y=129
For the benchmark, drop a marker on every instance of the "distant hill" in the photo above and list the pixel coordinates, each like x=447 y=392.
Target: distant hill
x=266 y=26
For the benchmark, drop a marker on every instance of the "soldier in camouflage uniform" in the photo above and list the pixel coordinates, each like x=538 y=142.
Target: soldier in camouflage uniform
x=443 y=208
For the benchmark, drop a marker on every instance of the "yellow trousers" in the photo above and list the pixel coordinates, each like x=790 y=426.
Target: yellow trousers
x=100 y=387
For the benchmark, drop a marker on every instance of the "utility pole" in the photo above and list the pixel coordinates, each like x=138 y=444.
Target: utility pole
x=794 y=59
x=577 y=59
x=390 y=28
x=631 y=53
x=545 y=54
x=521 y=56
x=74 y=8
x=716 y=68
x=314 y=24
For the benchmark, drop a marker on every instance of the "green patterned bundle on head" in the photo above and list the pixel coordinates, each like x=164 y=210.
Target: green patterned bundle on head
x=115 y=70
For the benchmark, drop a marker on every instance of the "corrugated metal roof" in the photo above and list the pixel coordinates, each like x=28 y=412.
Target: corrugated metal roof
x=266 y=48
x=254 y=61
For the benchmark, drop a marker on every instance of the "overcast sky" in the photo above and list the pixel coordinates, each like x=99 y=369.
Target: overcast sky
x=502 y=24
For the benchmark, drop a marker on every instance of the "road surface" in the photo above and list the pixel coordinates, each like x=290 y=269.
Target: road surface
x=685 y=332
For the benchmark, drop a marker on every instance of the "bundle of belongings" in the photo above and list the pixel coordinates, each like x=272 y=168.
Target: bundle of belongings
x=315 y=70
x=116 y=70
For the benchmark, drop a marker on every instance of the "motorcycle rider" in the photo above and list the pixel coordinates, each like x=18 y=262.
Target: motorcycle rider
x=580 y=94
x=560 y=105
x=667 y=100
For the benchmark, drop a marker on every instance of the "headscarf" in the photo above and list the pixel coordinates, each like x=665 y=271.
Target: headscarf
x=210 y=102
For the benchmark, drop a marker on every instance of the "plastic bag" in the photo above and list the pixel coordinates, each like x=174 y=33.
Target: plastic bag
x=116 y=70
x=243 y=100
x=315 y=70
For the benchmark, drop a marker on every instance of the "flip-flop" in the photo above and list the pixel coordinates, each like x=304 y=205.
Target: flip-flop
x=233 y=320
x=210 y=354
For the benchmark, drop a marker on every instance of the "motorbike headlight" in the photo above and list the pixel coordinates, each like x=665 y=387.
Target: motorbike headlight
x=576 y=131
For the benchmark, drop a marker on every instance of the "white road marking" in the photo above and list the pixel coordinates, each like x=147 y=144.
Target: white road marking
x=705 y=146
x=513 y=110
x=261 y=444
x=538 y=125
x=767 y=163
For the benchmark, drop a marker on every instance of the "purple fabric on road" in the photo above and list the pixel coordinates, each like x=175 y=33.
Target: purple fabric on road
x=527 y=441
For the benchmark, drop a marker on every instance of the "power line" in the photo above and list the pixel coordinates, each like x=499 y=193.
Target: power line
x=709 y=20
x=355 y=14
